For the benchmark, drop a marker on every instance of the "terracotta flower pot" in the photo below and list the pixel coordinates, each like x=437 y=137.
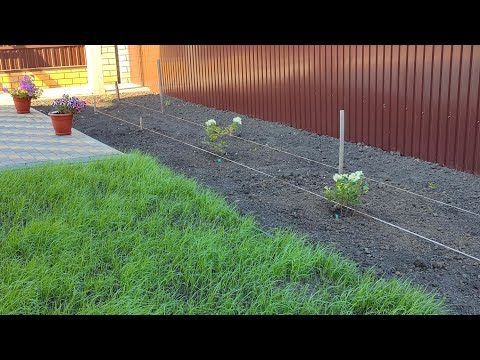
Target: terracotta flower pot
x=62 y=123
x=22 y=104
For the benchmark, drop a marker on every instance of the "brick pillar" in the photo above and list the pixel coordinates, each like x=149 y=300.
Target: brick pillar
x=109 y=61
x=124 y=63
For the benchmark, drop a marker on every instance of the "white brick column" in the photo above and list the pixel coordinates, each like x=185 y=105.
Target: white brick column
x=124 y=63
x=95 y=69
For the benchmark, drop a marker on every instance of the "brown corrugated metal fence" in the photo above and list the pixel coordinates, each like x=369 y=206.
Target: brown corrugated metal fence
x=420 y=100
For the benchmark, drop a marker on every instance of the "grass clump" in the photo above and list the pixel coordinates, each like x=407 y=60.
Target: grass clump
x=126 y=235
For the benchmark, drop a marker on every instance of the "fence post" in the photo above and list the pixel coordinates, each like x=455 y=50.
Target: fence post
x=160 y=83
x=342 y=142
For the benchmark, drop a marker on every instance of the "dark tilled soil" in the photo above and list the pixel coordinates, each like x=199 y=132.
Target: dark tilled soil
x=390 y=251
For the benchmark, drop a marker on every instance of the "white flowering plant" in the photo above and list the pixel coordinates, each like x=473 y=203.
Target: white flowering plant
x=216 y=134
x=348 y=188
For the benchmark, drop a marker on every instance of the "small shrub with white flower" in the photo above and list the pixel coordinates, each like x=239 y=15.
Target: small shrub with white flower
x=216 y=135
x=348 y=188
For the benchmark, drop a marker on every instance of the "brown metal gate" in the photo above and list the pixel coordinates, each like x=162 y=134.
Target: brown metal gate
x=420 y=100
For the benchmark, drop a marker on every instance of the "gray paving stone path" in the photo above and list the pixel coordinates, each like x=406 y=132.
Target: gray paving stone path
x=27 y=139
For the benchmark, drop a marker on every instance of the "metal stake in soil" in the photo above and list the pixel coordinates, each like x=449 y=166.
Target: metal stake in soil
x=342 y=141
x=118 y=96
x=160 y=83
x=141 y=123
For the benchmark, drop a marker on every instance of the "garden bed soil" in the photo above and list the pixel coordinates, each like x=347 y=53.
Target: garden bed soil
x=391 y=252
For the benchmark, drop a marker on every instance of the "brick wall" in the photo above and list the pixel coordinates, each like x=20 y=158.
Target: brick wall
x=47 y=78
x=109 y=62
x=124 y=63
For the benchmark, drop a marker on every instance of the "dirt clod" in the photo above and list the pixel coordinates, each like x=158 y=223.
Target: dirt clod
x=420 y=263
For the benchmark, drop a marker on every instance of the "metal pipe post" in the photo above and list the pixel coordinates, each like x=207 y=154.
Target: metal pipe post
x=342 y=142
x=160 y=83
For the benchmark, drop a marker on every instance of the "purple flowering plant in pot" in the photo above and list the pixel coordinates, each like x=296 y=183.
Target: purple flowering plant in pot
x=24 y=93
x=62 y=115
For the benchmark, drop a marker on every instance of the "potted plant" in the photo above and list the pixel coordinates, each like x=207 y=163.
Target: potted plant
x=24 y=93
x=62 y=116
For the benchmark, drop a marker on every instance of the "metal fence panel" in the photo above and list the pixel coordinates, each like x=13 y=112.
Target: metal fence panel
x=420 y=100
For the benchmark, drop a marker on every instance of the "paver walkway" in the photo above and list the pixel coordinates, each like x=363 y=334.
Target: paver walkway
x=27 y=139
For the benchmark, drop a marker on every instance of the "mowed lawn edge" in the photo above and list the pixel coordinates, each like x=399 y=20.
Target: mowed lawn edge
x=126 y=235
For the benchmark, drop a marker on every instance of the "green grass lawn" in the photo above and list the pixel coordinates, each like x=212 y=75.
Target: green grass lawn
x=128 y=236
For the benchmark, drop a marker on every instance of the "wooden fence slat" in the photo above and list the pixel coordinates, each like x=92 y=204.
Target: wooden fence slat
x=26 y=57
